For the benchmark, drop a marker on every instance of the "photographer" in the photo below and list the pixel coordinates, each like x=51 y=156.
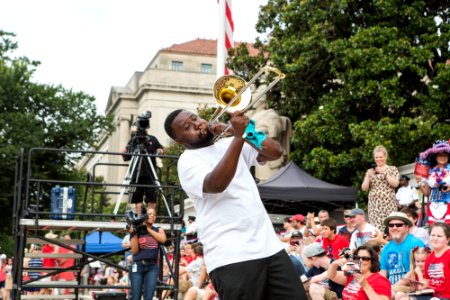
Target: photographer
x=380 y=180
x=145 y=240
x=361 y=276
x=143 y=143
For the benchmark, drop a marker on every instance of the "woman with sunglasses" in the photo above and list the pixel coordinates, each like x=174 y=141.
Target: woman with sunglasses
x=365 y=284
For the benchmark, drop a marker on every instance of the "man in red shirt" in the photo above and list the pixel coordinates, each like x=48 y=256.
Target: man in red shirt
x=332 y=242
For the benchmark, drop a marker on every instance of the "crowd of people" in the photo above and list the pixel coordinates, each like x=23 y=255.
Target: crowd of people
x=231 y=250
x=403 y=264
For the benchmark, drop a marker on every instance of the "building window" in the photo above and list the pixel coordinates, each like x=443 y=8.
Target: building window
x=206 y=68
x=177 y=65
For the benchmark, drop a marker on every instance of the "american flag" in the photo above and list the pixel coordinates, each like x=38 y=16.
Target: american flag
x=436 y=271
x=225 y=36
x=147 y=242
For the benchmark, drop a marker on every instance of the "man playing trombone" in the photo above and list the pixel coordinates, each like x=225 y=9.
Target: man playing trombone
x=244 y=257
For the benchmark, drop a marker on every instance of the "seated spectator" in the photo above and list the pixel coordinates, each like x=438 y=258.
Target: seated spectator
x=347 y=230
x=367 y=283
x=315 y=222
x=364 y=231
x=437 y=264
x=419 y=232
x=298 y=222
x=320 y=287
x=294 y=249
x=395 y=256
x=288 y=228
x=331 y=242
x=34 y=262
x=193 y=269
x=411 y=281
x=189 y=254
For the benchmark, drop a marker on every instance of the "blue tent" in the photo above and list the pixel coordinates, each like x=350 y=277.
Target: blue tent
x=103 y=242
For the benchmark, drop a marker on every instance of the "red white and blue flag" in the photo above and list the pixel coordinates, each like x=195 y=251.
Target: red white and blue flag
x=225 y=36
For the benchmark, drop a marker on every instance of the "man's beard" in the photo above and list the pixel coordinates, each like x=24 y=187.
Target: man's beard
x=204 y=139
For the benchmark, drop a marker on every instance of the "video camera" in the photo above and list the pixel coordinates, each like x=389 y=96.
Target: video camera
x=140 y=136
x=133 y=219
x=443 y=188
x=143 y=122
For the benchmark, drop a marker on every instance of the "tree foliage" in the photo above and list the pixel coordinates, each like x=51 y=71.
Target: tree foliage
x=40 y=115
x=358 y=74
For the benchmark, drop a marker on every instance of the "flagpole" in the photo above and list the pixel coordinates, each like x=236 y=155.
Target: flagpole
x=221 y=50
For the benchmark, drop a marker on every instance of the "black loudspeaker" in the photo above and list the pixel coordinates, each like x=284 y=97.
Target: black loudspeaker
x=110 y=296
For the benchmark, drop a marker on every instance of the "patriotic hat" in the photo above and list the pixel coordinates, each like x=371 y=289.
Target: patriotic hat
x=440 y=146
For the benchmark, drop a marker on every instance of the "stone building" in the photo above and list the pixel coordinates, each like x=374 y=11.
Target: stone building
x=180 y=76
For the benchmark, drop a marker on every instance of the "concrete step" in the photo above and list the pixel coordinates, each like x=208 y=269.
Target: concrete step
x=44 y=270
x=37 y=297
x=39 y=241
x=53 y=255
x=68 y=284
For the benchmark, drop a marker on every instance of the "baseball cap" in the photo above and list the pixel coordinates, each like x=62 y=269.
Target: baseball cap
x=313 y=249
x=356 y=211
x=297 y=217
x=296 y=234
x=3 y=256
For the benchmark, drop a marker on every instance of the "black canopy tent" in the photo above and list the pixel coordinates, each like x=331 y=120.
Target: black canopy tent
x=291 y=191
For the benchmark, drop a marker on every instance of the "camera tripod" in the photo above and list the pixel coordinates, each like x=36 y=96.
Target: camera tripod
x=135 y=166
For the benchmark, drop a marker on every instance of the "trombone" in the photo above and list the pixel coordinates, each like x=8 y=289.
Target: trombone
x=232 y=94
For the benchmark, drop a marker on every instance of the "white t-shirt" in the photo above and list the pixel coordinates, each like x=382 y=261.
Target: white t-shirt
x=422 y=234
x=406 y=195
x=361 y=237
x=191 y=228
x=194 y=269
x=233 y=226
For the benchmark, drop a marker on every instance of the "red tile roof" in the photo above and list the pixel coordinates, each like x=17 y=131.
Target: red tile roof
x=203 y=46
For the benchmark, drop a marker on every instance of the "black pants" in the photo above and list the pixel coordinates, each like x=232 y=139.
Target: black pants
x=139 y=192
x=271 y=278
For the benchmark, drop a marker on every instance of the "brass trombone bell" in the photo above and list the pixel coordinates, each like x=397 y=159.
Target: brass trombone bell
x=226 y=88
x=233 y=94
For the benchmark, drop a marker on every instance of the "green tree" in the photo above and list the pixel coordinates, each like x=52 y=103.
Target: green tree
x=359 y=73
x=40 y=115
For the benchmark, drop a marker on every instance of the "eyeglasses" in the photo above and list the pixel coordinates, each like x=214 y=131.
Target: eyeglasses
x=347 y=216
x=363 y=258
x=398 y=225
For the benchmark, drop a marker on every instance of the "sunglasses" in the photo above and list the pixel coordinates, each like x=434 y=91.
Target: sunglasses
x=363 y=258
x=347 y=216
x=398 y=225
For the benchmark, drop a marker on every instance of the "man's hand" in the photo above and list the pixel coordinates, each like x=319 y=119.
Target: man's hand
x=239 y=121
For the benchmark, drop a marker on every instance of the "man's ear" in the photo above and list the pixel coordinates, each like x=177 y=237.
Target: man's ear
x=180 y=141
